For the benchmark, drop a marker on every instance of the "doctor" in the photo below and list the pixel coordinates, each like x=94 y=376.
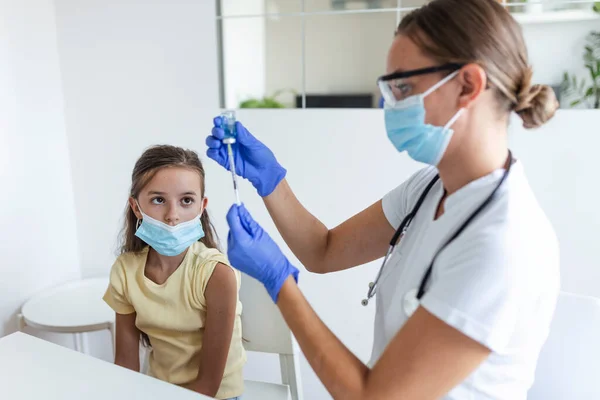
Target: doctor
x=467 y=292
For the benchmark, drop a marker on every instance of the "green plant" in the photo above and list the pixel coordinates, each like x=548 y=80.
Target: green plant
x=578 y=89
x=266 y=101
x=596 y=6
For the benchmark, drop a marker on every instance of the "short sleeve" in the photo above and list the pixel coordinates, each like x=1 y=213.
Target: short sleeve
x=480 y=287
x=116 y=293
x=203 y=271
x=394 y=205
x=397 y=202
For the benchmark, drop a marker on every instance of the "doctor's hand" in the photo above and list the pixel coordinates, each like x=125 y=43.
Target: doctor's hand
x=253 y=160
x=252 y=251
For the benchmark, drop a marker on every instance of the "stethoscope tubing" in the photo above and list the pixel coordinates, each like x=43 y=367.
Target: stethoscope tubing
x=401 y=231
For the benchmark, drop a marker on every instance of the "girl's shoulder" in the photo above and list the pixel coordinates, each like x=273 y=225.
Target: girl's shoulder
x=200 y=255
x=131 y=261
x=200 y=264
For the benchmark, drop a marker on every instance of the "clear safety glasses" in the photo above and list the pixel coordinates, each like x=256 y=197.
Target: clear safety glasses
x=395 y=87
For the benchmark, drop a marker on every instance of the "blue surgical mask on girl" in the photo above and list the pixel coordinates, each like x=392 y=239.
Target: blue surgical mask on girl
x=407 y=130
x=166 y=239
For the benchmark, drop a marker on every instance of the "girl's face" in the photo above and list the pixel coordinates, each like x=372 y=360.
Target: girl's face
x=172 y=196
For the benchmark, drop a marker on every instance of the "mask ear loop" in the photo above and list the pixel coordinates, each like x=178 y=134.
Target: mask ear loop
x=202 y=211
x=437 y=86
x=453 y=119
x=139 y=221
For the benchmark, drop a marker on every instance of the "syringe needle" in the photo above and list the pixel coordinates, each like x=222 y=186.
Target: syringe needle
x=233 y=175
x=228 y=121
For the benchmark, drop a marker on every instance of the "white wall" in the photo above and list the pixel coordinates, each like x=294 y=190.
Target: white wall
x=560 y=162
x=135 y=73
x=38 y=241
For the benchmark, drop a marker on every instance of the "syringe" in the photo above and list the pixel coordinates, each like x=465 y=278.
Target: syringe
x=229 y=139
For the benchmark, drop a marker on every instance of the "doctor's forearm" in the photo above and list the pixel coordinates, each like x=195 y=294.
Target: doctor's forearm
x=306 y=236
x=356 y=241
x=342 y=373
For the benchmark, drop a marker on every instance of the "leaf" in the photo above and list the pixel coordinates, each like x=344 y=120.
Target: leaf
x=589 y=92
x=575 y=103
x=566 y=85
x=265 y=102
x=271 y=103
x=252 y=103
x=592 y=72
x=592 y=48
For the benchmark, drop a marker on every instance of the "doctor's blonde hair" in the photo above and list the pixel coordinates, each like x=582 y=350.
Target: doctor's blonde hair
x=483 y=32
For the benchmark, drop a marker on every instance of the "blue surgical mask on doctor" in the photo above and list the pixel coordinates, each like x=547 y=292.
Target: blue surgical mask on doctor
x=407 y=130
x=169 y=240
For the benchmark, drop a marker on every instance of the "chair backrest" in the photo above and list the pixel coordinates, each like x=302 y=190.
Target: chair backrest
x=265 y=331
x=568 y=364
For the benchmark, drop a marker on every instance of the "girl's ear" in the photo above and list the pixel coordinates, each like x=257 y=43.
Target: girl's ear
x=135 y=208
x=204 y=204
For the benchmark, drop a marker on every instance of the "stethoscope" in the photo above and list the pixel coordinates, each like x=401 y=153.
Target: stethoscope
x=411 y=301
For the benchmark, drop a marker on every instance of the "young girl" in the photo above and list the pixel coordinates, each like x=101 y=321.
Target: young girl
x=171 y=286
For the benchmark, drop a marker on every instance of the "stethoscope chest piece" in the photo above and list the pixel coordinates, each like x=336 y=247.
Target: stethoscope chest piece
x=365 y=302
x=410 y=302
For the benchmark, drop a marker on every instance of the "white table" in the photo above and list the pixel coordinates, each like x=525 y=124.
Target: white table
x=75 y=307
x=33 y=369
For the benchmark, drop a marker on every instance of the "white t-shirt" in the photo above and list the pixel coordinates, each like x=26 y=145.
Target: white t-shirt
x=497 y=282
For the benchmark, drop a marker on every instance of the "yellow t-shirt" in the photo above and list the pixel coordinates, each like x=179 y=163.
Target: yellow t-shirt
x=173 y=315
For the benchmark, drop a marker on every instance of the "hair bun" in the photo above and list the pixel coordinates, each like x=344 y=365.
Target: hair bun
x=536 y=104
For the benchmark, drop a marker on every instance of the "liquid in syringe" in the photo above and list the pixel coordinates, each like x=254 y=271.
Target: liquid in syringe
x=228 y=118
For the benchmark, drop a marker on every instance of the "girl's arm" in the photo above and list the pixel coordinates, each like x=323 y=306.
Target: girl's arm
x=221 y=301
x=127 y=352
x=425 y=360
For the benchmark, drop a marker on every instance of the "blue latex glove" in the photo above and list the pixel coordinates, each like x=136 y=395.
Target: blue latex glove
x=253 y=160
x=252 y=251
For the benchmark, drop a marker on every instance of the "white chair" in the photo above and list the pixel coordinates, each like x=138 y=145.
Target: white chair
x=76 y=307
x=266 y=332
x=568 y=364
